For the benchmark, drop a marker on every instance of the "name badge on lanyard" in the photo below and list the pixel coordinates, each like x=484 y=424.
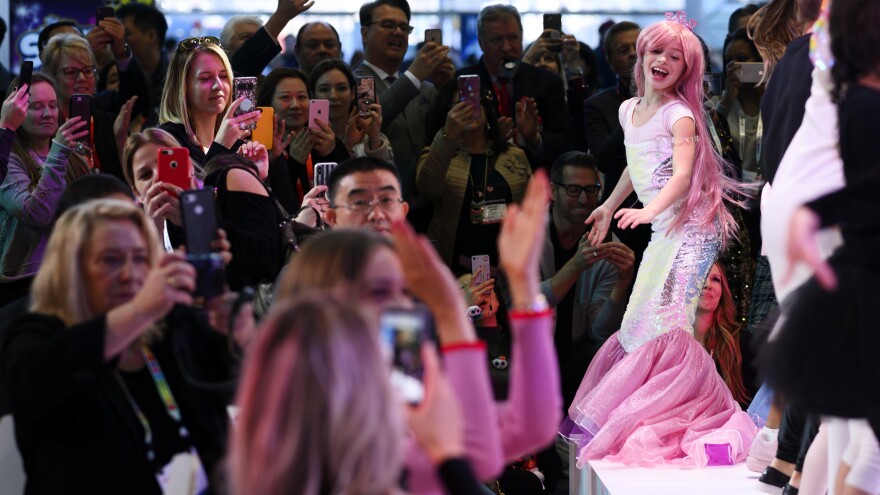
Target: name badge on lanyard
x=488 y=212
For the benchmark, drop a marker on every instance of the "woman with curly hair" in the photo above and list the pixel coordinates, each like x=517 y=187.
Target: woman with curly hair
x=718 y=330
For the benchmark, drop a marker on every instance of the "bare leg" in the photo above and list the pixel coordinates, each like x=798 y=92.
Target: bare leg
x=774 y=416
x=840 y=479
x=815 y=476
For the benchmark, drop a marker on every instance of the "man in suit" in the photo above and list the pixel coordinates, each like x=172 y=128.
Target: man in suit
x=531 y=100
x=316 y=42
x=405 y=97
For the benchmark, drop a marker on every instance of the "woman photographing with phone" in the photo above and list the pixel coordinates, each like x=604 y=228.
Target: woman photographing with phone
x=197 y=107
x=42 y=163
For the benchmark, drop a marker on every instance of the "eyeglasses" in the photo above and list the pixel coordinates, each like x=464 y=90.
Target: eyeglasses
x=574 y=190
x=390 y=26
x=387 y=204
x=87 y=72
x=191 y=43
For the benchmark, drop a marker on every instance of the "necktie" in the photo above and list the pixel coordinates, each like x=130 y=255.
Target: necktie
x=390 y=80
x=505 y=105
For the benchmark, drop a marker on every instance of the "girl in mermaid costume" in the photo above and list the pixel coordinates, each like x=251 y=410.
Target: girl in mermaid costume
x=652 y=395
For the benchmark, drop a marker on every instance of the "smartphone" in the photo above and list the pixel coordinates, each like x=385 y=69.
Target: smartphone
x=434 y=35
x=81 y=106
x=712 y=82
x=366 y=94
x=199 y=216
x=554 y=22
x=318 y=110
x=750 y=72
x=245 y=87
x=264 y=131
x=25 y=73
x=174 y=167
x=102 y=13
x=481 y=261
x=323 y=171
x=401 y=333
x=469 y=91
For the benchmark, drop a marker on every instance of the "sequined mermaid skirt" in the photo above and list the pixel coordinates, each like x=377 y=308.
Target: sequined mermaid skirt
x=663 y=404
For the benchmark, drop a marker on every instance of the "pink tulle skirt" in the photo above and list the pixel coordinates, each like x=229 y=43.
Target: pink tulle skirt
x=664 y=404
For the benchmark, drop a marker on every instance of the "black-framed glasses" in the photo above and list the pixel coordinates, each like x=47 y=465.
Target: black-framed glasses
x=574 y=190
x=390 y=26
x=88 y=72
x=387 y=204
x=191 y=43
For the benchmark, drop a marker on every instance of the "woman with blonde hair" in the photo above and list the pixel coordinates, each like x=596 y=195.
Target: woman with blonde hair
x=42 y=163
x=197 y=106
x=69 y=60
x=111 y=373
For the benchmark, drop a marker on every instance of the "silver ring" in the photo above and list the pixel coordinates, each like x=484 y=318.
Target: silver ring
x=595 y=254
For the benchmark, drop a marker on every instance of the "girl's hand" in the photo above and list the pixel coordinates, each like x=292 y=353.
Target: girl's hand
x=71 y=132
x=460 y=118
x=257 y=153
x=300 y=145
x=437 y=423
x=802 y=248
x=601 y=221
x=280 y=142
x=522 y=239
x=231 y=126
x=629 y=218
x=323 y=139
x=15 y=108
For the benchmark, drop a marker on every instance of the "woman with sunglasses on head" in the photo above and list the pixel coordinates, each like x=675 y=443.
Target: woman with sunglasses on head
x=297 y=142
x=333 y=80
x=70 y=61
x=42 y=162
x=197 y=107
x=471 y=174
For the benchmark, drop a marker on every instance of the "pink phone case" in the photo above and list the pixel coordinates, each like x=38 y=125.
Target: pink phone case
x=318 y=110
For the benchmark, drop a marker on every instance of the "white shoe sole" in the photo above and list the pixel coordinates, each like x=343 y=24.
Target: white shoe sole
x=757 y=465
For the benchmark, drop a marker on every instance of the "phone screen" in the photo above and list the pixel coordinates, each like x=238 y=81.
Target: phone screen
x=366 y=94
x=402 y=332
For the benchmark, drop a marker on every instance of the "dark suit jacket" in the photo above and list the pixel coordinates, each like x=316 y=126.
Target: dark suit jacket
x=131 y=83
x=600 y=117
x=73 y=424
x=105 y=142
x=405 y=110
x=255 y=54
x=548 y=92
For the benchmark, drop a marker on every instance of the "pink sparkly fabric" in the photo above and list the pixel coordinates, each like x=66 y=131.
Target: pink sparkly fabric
x=659 y=405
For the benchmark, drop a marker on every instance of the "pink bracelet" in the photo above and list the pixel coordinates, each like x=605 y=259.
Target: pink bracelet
x=477 y=344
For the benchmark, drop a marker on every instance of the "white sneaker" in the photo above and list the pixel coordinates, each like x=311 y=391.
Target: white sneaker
x=763 y=450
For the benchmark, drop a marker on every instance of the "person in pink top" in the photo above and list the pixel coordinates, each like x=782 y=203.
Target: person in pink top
x=652 y=395
x=369 y=269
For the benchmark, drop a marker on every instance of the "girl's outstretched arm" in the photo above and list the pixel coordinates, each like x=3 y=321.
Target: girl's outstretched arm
x=601 y=216
x=683 y=152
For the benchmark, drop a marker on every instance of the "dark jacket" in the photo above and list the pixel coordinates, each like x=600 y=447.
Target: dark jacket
x=77 y=432
x=131 y=83
x=195 y=151
x=547 y=90
x=105 y=143
x=255 y=54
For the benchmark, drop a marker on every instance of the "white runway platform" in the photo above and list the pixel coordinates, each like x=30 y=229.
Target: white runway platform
x=605 y=478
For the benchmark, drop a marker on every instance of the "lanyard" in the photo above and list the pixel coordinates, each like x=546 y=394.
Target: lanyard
x=742 y=136
x=164 y=393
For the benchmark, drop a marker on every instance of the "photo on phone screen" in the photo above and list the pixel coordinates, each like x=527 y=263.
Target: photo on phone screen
x=318 y=110
x=25 y=73
x=469 y=91
x=81 y=106
x=366 y=94
x=401 y=333
x=246 y=87
x=199 y=216
x=435 y=35
x=173 y=166
x=480 y=261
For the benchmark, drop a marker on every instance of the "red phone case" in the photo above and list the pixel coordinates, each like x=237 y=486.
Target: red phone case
x=174 y=167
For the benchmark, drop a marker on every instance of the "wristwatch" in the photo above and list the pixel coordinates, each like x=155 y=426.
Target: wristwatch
x=538 y=305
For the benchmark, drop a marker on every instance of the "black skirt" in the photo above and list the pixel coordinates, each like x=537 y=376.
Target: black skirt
x=826 y=356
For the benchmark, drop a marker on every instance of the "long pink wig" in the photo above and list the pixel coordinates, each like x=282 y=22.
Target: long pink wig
x=709 y=184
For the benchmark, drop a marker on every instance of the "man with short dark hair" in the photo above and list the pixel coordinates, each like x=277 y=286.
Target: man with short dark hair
x=588 y=285
x=316 y=42
x=365 y=192
x=531 y=100
x=406 y=97
x=145 y=30
x=600 y=110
